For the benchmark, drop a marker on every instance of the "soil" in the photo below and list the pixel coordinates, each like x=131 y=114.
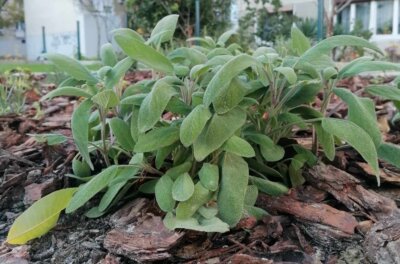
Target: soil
x=338 y=216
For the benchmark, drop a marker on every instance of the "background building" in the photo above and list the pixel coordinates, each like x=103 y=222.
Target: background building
x=52 y=26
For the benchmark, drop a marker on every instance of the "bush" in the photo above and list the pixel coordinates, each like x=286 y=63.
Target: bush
x=211 y=129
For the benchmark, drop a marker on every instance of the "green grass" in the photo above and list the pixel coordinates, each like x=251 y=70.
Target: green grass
x=39 y=66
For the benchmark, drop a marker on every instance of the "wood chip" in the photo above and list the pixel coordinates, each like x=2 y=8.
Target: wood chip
x=146 y=242
x=347 y=189
x=313 y=212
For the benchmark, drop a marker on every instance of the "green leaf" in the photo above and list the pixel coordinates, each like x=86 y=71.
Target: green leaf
x=49 y=139
x=257 y=212
x=217 y=52
x=109 y=195
x=288 y=72
x=177 y=171
x=356 y=137
x=163 y=191
x=123 y=175
x=66 y=91
x=91 y=188
x=269 y=150
x=107 y=55
x=231 y=97
x=189 y=207
x=80 y=168
x=117 y=72
x=162 y=154
x=239 y=146
x=323 y=47
x=219 y=129
x=154 y=105
x=148 y=187
x=106 y=99
x=384 y=91
x=134 y=124
x=198 y=70
x=183 y=188
x=164 y=30
x=329 y=73
x=128 y=32
x=368 y=66
x=349 y=65
x=122 y=131
x=269 y=187
x=80 y=129
x=38 y=219
x=135 y=100
x=221 y=80
x=362 y=113
x=209 y=176
x=251 y=195
x=390 y=153
x=193 y=124
x=194 y=56
x=326 y=140
x=139 y=51
x=208 y=212
x=225 y=37
x=204 y=42
x=295 y=170
x=177 y=106
x=204 y=225
x=72 y=67
x=300 y=43
x=157 y=139
x=304 y=92
x=231 y=195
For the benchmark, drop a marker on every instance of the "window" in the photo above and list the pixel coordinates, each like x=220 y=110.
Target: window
x=343 y=19
x=362 y=15
x=384 y=17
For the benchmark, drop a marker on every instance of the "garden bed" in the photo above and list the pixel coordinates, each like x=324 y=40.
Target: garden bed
x=334 y=218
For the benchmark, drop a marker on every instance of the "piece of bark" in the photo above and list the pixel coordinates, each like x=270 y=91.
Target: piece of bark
x=385 y=176
x=364 y=226
x=110 y=259
x=148 y=241
x=35 y=191
x=307 y=193
x=130 y=212
x=313 y=212
x=382 y=242
x=17 y=255
x=347 y=189
x=245 y=259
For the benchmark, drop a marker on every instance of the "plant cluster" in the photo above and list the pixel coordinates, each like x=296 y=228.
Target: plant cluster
x=211 y=129
x=13 y=86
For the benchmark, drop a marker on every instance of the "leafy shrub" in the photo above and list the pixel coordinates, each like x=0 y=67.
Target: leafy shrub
x=211 y=129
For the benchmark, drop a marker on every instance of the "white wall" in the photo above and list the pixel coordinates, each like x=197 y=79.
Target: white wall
x=10 y=45
x=59 y=19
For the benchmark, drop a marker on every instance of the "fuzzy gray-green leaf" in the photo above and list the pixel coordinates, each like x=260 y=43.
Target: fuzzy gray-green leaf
x=219 y=129
x=231 y=195
x=154 y=105
x=193 y=124
x=183 y=188
x=80 y=129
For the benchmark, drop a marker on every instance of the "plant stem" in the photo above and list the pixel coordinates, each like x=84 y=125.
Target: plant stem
x=103 y=136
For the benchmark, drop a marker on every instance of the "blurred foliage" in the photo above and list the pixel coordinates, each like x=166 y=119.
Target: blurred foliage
x=11 y=12
x=13 y=86
x=214 y=15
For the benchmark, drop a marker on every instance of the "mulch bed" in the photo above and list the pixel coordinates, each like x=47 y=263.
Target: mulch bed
x=338 y=216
